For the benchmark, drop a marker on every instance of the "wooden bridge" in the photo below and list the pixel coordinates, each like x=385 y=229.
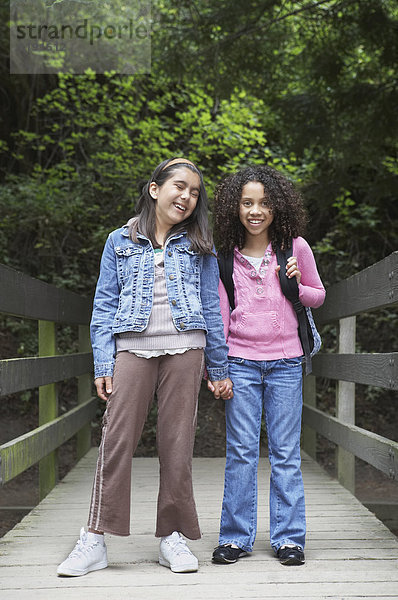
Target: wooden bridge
x=349 y=552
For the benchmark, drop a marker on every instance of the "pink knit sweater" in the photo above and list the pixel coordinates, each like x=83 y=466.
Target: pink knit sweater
x=263 y=325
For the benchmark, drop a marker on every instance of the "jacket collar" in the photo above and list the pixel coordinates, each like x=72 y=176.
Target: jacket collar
x=125 y=232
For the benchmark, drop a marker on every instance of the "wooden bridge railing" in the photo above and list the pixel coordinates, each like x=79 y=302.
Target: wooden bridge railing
x=373 y=288
x=23 y=296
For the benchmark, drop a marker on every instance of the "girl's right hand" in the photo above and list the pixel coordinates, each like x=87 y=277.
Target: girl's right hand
x=291 y=269
x=104 y=387
x=221 y=389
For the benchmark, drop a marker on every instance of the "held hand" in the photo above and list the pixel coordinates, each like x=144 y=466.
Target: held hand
x=291 y=269
x=226 y=389
x=222 y=388
x=210 y=386
x=104 y=387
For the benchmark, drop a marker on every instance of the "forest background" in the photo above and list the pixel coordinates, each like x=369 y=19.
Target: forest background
x=308 y=87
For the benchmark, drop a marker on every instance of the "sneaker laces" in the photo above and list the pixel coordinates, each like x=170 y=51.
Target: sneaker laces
x=81 y=545
x=179 y=546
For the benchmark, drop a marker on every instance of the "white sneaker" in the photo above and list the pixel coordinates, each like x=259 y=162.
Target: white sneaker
x=88 y=555
x=175 y=554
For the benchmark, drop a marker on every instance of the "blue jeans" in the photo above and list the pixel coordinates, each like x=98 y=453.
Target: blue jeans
x=276 y=387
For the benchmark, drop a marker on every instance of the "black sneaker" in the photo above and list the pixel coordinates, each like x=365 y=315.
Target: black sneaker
x=291 y=555
x=226 y=554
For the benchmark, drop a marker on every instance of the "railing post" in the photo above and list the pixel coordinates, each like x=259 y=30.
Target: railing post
x=48 y=409
x=84 y=383
x=345 y=405
x=309 y=434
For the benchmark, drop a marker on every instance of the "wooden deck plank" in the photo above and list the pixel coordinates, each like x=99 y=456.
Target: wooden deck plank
x=349 y=553
x=127 y=575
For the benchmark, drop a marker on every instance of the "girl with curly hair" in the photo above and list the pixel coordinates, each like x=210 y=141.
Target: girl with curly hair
x=257 y=210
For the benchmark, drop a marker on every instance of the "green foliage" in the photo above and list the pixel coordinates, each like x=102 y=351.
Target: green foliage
x=96 y=142
x=307 y=87
x=326 y=72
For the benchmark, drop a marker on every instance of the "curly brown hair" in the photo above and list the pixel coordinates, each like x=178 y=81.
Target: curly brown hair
x=285 y=201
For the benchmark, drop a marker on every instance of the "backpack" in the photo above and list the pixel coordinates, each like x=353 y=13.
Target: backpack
x=307 y=331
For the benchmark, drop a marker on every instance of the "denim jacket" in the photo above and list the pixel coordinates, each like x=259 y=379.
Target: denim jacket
x=124 y=296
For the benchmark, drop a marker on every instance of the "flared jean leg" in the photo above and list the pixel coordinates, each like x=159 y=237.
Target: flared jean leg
x=283 y=410
x=243 y=425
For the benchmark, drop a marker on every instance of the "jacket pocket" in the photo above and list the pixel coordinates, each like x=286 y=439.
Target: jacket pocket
x=187 y=260
x=128 y=260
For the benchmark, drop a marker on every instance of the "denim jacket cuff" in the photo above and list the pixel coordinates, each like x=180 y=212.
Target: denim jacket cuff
x=217 y=374
x=104 y=370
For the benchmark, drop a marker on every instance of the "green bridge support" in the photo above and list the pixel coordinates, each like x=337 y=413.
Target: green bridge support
x=48 y=409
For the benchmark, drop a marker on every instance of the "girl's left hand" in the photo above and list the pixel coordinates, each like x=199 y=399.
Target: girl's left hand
x=292 y=269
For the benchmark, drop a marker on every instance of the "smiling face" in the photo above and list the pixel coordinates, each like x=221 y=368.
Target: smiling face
x=176 y=199
x=254 y=212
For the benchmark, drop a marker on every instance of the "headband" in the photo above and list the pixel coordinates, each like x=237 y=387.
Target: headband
x=179 y=161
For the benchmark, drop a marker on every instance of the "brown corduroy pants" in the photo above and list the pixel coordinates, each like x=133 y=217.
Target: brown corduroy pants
x=176 y=381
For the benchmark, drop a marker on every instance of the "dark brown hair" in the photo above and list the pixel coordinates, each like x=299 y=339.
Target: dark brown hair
x=196 y=225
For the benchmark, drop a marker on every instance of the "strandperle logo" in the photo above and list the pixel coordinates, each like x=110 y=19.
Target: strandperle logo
x=83 y=31
x=72 y=37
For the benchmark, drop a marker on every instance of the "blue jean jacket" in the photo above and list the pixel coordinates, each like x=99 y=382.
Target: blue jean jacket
x=124 y=296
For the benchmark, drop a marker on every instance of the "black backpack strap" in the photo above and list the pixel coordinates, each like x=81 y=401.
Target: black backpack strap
x=289 y=286
x=226 y=266
x=290 y=290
